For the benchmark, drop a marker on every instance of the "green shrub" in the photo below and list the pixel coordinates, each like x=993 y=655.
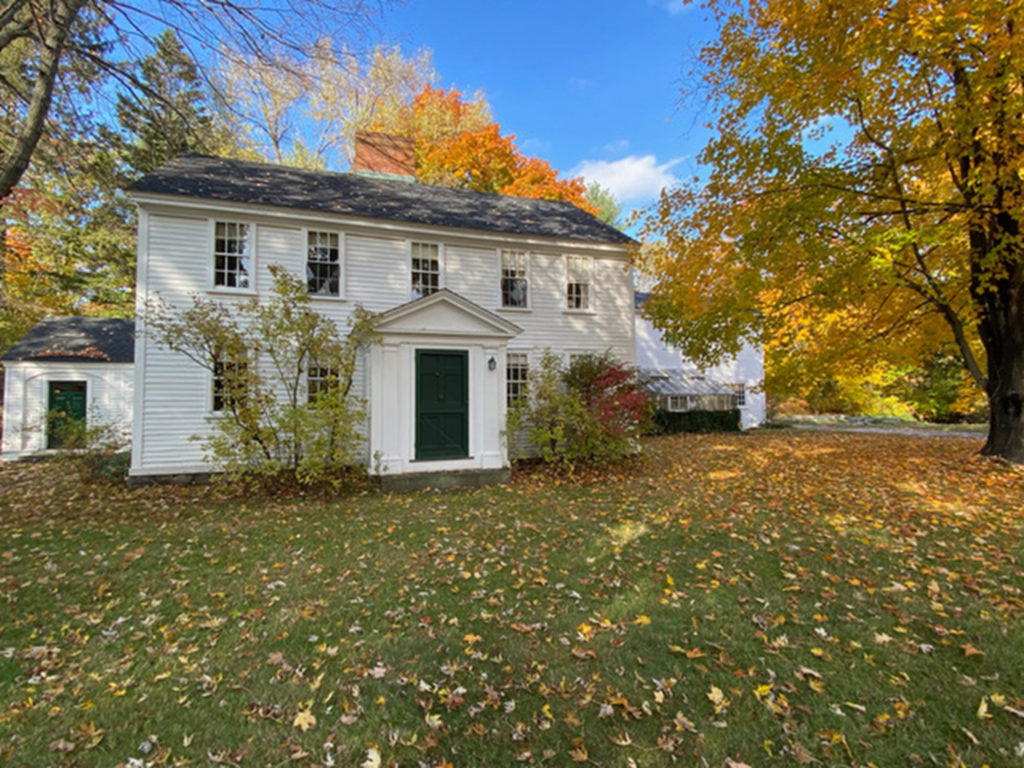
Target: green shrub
x=592 y=412
x=95 y=448
x=271 y=424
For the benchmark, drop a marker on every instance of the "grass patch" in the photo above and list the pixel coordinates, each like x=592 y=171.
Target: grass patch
x=772 y=598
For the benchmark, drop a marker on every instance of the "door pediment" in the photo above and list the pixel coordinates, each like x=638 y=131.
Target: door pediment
x=445 y=313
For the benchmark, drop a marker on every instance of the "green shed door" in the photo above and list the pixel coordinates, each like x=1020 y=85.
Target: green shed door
x=442 y=404
x=65 y=411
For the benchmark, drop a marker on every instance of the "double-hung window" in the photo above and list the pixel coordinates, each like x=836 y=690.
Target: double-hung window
x=517 y=370
x=323 y=263
x=230 y=383
x=579 y=277
x=231 y=255
x=515 y=279
x=321 y=379
x=426 y=269
x=740 y=394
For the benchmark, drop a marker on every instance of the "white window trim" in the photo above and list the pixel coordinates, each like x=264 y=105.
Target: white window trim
x=211 y=256
x=529 y=280
x=529 y=367
x=342 y=264
x=589 y=309
x=441 y=262
x=210 y=396
x=310 y=379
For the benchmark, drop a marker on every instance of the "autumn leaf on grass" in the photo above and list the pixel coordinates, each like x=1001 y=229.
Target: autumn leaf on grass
x=372 y=759
x=983 y=713
x=62 y=745
x=716 y=697
x=692 y=653
x=621 y=739
x=683 y=723
x=642 y=620
x=304 y=720
x=579 y=753
x=971 y=650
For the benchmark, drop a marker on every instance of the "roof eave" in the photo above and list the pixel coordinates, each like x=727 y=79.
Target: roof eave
x=389 y=225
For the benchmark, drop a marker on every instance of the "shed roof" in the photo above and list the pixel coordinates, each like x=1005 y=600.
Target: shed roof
x=353 y=194
x=679 y=382
x=78 y=339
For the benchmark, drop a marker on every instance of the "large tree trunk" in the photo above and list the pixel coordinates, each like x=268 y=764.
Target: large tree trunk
x=997 y=287
x=1006 y=408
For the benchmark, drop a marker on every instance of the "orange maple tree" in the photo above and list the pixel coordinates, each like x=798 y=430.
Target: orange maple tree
x=458 y=145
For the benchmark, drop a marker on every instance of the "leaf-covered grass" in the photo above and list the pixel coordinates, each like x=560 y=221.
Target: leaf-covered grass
x=771 y=599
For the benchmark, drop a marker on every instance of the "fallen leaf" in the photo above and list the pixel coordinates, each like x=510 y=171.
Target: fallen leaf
x=304 y=720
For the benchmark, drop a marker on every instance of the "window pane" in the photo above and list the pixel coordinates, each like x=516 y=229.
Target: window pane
x=577 y=286
x=516 y=375
x=231 y=254
x=426 y=269
x=323 y=263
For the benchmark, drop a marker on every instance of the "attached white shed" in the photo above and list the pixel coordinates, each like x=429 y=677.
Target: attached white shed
x=66 y=368
x=679 y=385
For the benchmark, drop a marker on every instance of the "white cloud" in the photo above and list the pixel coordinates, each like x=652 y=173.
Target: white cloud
x=635 y=178
x=614 y=147
x=672 y=6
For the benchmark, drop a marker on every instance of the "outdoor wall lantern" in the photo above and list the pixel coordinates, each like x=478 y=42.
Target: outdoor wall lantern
x=492 y=364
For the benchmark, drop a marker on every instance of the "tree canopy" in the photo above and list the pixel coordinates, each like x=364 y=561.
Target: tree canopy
x=458 y=145
x=865 y=180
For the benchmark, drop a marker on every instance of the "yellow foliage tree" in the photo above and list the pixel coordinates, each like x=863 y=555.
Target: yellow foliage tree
x=866 y=177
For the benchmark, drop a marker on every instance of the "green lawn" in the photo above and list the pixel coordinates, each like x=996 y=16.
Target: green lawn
x=769 y=599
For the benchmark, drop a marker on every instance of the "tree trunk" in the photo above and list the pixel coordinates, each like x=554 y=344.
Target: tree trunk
x=1006 y=409
x=54 y=35
x=998 y=292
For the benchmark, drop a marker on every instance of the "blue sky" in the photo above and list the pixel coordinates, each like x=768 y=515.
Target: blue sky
x=592 y=87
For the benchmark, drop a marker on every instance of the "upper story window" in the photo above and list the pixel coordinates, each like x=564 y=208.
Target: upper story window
x=517 y=370
x=426 y=269
x=579 y=276
x=515 y=279
x=323 y=263
x=231 y=255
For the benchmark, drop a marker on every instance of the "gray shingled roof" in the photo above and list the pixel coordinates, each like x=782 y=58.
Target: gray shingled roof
x=215 y=178
x=79 y=339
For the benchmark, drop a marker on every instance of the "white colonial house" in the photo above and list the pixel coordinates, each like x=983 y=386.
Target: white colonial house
x=470 y=289
x=678 y=384
x=66 y=369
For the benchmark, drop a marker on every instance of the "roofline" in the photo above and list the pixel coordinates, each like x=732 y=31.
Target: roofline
x=390 y=225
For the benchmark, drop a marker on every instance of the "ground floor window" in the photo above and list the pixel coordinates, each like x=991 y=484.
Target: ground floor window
x=228 y=383
x=740 y=395
x=517 y=371
x=321 y=380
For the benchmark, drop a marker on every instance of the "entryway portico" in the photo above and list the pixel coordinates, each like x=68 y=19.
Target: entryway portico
x=437 y=387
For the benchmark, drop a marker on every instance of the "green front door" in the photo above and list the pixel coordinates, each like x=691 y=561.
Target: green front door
x=442 y=404
x=65 y=413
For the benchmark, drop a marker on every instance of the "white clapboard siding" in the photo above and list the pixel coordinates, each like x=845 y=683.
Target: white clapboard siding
x=26 y=392
x=175 y=263
x=379 y=272
x=746 y=368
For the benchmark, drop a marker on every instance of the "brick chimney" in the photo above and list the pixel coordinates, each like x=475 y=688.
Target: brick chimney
x=384 y=154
